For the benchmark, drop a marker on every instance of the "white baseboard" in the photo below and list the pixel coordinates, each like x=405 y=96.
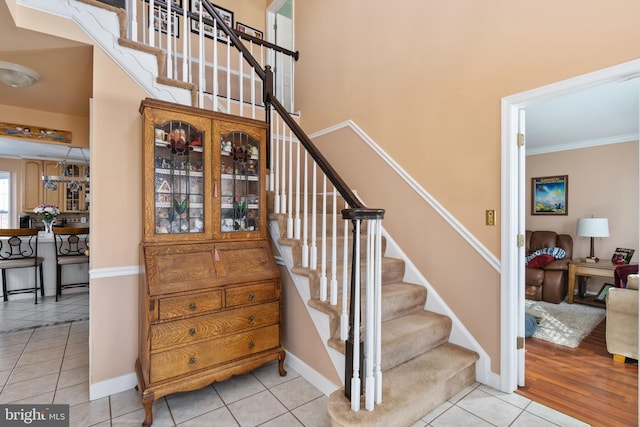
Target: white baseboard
x=308 y=373
x=112 y=386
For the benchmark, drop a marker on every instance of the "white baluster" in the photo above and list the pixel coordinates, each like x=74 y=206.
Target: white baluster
x=186 y=53
x=215 y=63
x=290 y=195
x=283 y=169
x=355 y=379
x=378 y=311
x=272 y=142
x=152 y=22
x=169 y=40
x=241 y=82
x=132 y=12
x=313 y=256
x=344 y=316
x=305 y=213
x=296 y=225
x=253 y=89
x=275 y=157
x=333 y=285
x=369 y=331
x=201 y=65
x=228 y=44
x=323 y=242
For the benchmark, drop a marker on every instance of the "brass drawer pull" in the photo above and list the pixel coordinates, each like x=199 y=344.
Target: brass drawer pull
x=251 y=296
x=251 y=344
x=192 y=360
x=192 y=306
x=251 y=319
x=192 y=332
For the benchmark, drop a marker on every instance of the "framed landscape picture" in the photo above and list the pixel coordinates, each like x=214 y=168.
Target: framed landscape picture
x=549 y=195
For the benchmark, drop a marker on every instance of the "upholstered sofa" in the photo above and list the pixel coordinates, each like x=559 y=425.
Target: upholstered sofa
x=546 y=273
x=622 y=320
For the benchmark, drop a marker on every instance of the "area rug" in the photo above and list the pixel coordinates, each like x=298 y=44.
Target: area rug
x=564 y=324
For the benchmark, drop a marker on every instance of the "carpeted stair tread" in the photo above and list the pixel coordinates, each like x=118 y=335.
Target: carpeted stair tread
x=411 y=390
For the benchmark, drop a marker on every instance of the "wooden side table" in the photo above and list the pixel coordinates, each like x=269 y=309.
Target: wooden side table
x=604 y=269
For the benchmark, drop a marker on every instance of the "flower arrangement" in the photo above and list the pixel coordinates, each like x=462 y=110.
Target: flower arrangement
x=47 y=213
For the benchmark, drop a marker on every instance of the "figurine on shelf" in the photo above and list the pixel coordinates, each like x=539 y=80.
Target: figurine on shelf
x=226 y=146
x=250 y=169
x=254 y=151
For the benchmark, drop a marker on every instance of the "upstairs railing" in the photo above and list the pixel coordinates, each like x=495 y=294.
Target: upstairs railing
x=233 y=76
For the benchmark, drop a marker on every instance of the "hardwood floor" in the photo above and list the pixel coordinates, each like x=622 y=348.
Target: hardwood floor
x=583 y=382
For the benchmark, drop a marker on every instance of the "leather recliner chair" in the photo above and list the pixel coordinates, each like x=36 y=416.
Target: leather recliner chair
x=548 y=283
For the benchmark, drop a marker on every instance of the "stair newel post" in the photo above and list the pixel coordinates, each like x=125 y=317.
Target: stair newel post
x=354 y=353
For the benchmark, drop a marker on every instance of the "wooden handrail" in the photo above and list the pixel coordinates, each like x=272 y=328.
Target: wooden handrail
x=322 y=162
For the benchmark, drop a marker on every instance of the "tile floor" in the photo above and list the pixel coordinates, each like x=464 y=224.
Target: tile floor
x=49 y=364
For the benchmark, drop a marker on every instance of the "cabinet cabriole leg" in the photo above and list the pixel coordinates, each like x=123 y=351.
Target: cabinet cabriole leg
x=148 y=415
x=281 y=369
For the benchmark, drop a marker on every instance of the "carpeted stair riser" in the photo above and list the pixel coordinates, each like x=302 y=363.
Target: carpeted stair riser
x=340 y=224
x=411 y=390
x=399 y=300
x=407 y=337
x=296 y=248
x=392 y=272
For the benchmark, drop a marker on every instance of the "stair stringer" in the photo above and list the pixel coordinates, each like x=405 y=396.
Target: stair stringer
x=320 y=320
x=102 y=25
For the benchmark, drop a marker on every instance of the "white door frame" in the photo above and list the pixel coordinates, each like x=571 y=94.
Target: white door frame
x=512 y=205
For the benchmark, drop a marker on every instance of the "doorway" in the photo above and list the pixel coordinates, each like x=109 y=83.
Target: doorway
x=513 y=208
x=280 y=31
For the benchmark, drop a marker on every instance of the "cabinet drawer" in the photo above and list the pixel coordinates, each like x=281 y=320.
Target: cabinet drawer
x=192 y=329
x=250 y=294
x=191 y=358
x=192 y=304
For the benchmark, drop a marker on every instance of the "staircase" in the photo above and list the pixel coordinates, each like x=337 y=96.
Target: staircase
x=421 y=369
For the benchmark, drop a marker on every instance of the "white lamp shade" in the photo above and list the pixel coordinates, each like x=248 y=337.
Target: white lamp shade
x=593 y=227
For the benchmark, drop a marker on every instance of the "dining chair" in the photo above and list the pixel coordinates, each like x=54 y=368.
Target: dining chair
x=19 y=249
x=72 y=248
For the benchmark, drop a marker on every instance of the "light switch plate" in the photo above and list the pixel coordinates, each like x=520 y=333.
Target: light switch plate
x=490 y=217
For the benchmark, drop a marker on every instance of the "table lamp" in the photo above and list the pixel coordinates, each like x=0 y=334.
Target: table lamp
x=593 y=227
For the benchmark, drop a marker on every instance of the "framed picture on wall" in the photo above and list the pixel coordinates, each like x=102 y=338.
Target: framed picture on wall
x=226 y=15
x=160 y=21
x=248 y=30
x=549 y=195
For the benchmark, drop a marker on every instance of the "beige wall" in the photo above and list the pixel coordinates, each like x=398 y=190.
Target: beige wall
x=116 y=217
x=425 y=78
x=603 y=182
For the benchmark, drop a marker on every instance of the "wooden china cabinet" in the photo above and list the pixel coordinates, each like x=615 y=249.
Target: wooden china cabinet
x=210 y=290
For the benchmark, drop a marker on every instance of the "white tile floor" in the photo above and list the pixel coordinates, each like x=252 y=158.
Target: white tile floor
x=49 y=364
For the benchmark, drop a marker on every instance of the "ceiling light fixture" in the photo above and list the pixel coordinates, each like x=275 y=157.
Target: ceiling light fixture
x=16 y=75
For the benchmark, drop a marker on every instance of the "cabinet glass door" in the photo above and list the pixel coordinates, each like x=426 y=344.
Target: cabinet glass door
x=178 y=175
x=240 y=183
